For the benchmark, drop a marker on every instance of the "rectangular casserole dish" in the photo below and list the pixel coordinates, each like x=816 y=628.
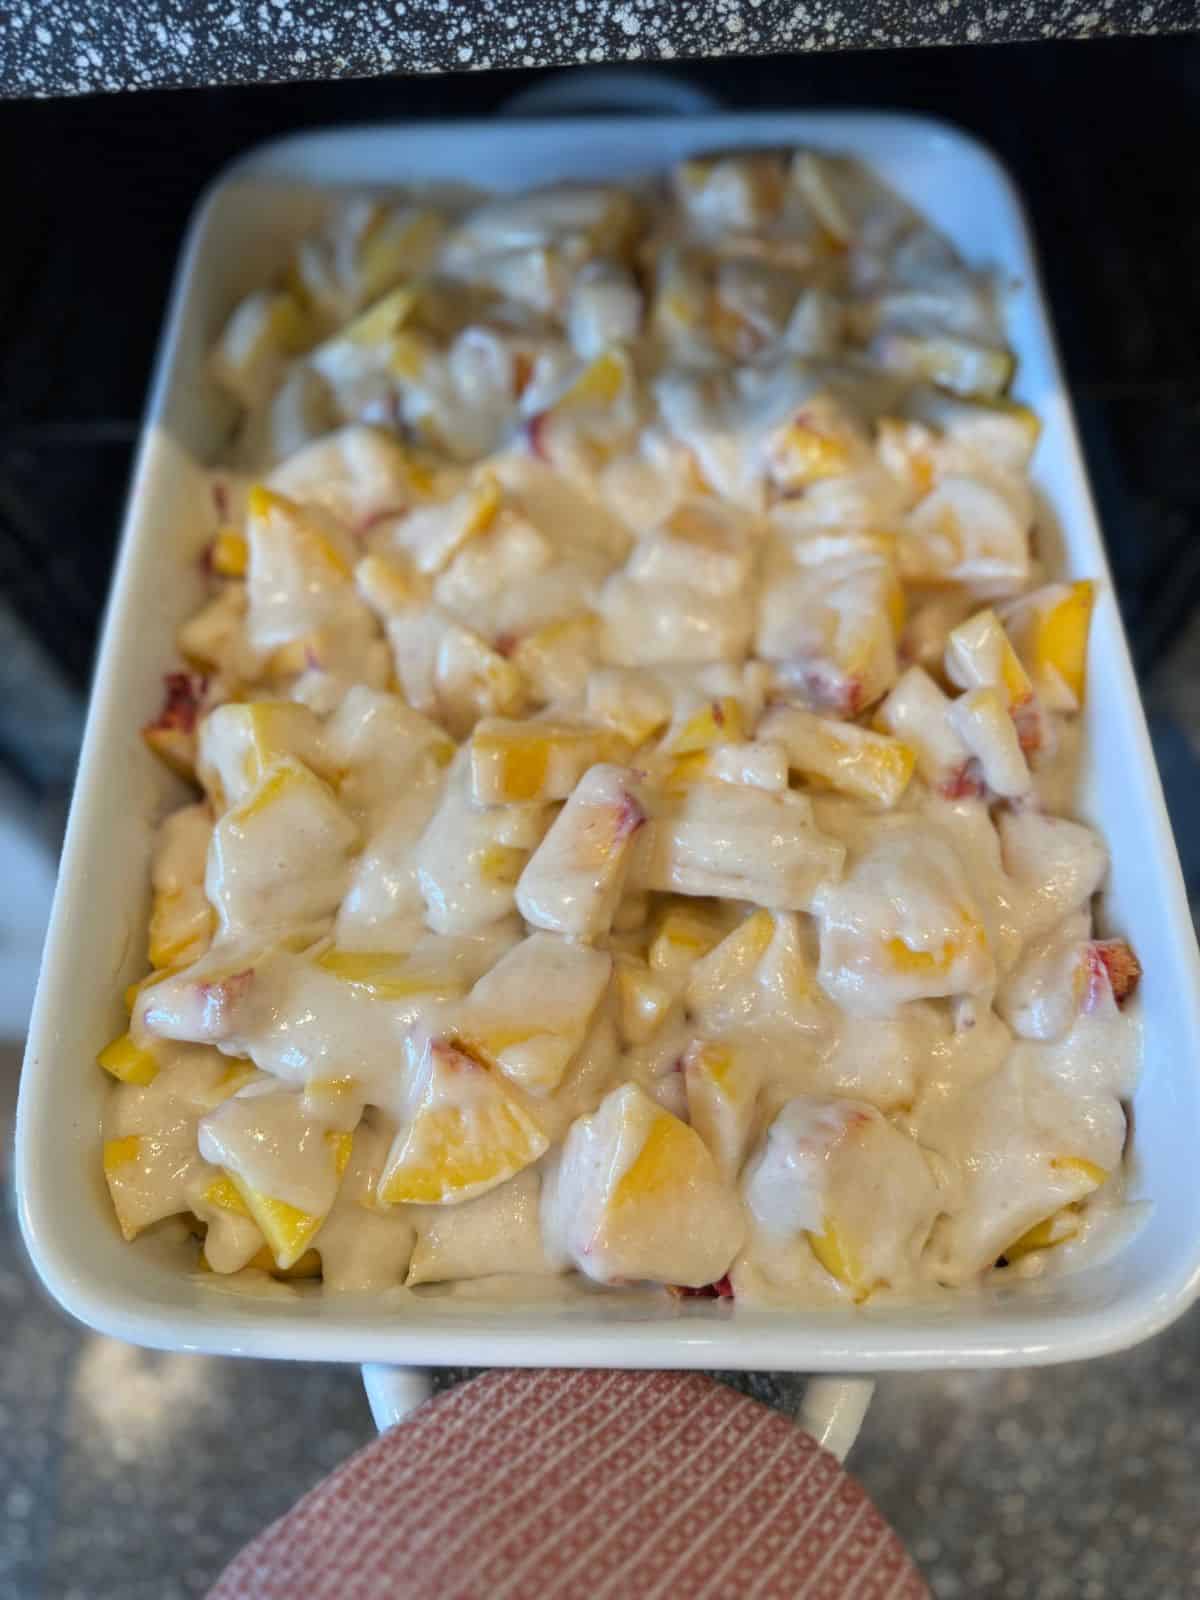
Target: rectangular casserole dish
x=243 y=231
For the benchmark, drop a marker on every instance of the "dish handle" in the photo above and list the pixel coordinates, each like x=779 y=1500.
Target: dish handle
x=610 y=91
x=832 y=1408
x=392 y=1392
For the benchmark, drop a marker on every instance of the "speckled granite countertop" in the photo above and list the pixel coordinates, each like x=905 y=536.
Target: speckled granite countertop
x=52 y=47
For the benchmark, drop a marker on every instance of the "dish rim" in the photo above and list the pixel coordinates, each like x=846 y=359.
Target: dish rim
x=469 y=1332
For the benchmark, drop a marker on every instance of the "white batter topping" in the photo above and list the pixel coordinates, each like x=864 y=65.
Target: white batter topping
x=631 y=731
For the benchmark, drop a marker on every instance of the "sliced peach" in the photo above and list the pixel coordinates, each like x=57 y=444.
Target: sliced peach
x=722 y=1082
x=720 y=720
x=917 y=713
x=264 y=332
x=467 y=1133
x=172 y=735
x=574 y=879
x=643 y=999
x=637 y=1195
x=519 y=762
x=394 y=977
x=230 y=554
x=851 y=759
x=980 y=655
x=530 y=1013
x=238 y=742
x=287 y=1229
x=128 y=1061
x=687 y=931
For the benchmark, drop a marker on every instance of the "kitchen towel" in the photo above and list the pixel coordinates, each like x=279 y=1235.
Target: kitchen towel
x=582 y=1485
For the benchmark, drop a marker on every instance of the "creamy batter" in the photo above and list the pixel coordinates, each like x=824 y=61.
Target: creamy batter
x=631 y=731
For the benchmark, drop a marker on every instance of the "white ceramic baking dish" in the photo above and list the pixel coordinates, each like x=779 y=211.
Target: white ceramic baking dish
x=242 y=232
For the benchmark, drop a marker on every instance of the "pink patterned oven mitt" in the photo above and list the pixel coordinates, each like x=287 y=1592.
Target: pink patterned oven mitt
x=568 y=1485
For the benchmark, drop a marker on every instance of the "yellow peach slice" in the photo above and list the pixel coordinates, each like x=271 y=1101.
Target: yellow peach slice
x=722 y=1083
x=684 y=934
x=642 y=999
x=832 y=1250
x=521 y=762
x=721 y=720
x=853 y=760
x=230 y=554
x=469 y=1132
x=1060 y=637
x=979 y=655
x=129 y=1062
x=392 y=977
x=287 y=1229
